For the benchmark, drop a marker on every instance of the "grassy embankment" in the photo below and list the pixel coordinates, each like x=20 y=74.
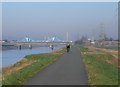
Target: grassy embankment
x=0 y=77
x=102 y=67
x=28 y=66
x=110 y=47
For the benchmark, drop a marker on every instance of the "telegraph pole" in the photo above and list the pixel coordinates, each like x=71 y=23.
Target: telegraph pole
x=102 y=34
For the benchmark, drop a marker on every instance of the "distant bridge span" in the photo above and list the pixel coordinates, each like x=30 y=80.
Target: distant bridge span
x=42 y=43
x=20 y=44
x=34 y=43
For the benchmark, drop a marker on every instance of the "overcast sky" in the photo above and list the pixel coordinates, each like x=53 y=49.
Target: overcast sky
x=38 y=19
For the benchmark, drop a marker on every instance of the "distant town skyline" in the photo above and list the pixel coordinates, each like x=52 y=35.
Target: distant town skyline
x=38 y=20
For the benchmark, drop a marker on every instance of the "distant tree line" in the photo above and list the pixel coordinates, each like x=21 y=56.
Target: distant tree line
x=84 y=39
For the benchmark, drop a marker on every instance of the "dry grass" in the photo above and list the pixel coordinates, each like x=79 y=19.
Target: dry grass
x=0 y=76
x=23 y=60
x=113 y=61
x=113 y=52
x=101 y=65
x=22 y=63
x=92 y=53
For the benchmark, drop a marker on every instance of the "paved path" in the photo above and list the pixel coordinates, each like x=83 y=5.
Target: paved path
x=68 y=70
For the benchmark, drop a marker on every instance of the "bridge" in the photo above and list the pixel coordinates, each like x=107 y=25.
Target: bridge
x=41 y=43
x=52 y=40
x=28 y=41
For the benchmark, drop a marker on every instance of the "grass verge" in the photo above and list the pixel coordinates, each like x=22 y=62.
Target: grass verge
x=110 y=47
x=0 y=77
x=28 y=66
x=100 y=72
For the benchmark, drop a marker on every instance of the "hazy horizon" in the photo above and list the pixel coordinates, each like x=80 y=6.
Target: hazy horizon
x=46 y=19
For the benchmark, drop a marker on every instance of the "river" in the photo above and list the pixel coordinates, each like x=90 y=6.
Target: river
x=10 y=57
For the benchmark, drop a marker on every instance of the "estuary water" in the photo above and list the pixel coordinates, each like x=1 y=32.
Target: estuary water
x=10 y=57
